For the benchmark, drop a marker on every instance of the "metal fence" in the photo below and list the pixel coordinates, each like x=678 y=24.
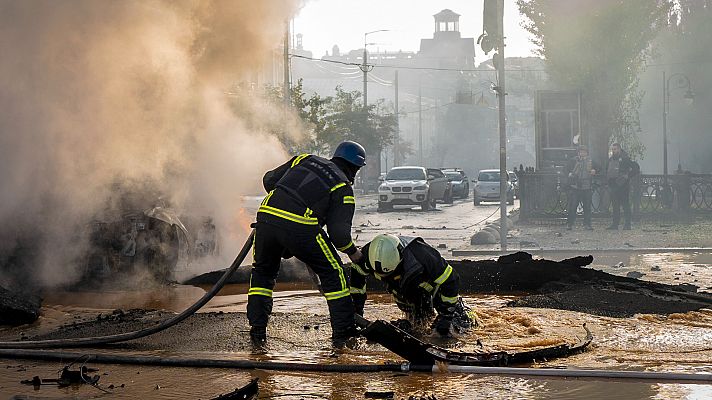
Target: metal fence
x=545 y=194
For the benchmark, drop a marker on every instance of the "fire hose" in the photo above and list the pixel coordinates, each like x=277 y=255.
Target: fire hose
x=122 y=337
x=592 y=374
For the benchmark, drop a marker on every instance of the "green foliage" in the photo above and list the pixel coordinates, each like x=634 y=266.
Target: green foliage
x=311 y=111
x=599 y=47
x=346 y=119
x=327 y=121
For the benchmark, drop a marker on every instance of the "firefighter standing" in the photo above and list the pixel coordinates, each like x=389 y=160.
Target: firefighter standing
x=304 y=194
x=419 y=279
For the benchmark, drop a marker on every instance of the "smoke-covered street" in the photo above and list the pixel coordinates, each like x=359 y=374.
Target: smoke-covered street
x=311 y=199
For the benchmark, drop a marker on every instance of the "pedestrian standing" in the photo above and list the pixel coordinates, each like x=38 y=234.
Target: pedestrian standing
x=618 y=172
x=581 y=171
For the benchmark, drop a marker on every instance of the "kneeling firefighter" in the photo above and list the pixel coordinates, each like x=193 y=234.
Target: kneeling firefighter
x=419 y=279
x=304 y=194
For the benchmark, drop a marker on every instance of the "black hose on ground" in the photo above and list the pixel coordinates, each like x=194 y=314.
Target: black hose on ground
x=545 y=373
x=53 y=355
x=122 y=337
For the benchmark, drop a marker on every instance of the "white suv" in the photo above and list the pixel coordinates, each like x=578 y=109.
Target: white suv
x=412 y=186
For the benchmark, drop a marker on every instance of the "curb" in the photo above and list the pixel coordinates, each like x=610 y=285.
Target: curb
x=540 y=251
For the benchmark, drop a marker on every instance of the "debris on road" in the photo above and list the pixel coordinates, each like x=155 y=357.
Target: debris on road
x=18 y=308
x=247 y=392
x=67 y=377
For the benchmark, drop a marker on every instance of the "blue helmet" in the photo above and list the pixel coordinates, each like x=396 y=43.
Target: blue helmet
x=351 y=152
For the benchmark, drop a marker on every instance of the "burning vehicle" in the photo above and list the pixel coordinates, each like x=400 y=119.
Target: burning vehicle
x=153 y=239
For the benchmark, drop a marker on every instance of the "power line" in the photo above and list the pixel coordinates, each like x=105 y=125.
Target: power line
x=412 y=68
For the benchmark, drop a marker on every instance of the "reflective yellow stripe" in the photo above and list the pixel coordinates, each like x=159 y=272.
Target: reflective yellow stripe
x=332 y=260
x=442 y=278
x=342 y=184
x=266 y=199
x=451 y=300
x=428 y=287
x=259 y=291
x=359 y=269
x=336 y=295
x=299 y=159
x=349 y=200
x=351 y=243
x=354 y=290
x=288 y=216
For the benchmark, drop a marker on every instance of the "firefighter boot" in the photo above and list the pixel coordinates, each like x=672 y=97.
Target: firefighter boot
x=258 y=336
x=344 y=338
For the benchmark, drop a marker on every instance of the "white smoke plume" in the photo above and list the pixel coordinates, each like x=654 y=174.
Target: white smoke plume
x=95 y=92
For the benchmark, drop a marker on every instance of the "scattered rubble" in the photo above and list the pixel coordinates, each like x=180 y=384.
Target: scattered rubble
x=483 y=237
x=67 y=377
x=18 y=308
x=247 y=392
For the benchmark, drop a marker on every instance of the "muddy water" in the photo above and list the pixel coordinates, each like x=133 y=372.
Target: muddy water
x=672 y=268
x=678 y=342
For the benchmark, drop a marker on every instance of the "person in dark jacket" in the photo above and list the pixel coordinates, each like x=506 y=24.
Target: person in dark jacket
x=419 y=279
x=618 y=172
x=305 y=194
x=581 y=171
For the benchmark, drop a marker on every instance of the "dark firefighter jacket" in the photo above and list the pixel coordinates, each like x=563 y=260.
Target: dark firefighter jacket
x=312 y=191
x=423 y=273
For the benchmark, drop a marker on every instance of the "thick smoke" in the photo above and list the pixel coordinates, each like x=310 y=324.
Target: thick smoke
x=98 y=92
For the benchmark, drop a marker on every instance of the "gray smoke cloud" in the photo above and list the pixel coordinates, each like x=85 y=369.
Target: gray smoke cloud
x=98 y=92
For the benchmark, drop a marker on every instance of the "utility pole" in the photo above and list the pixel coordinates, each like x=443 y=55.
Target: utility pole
x=286 y=68
x=364 y=68
x=501 y=92
x=420 y=125
x=397 y=138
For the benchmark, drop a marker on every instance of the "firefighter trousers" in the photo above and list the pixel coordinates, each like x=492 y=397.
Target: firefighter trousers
x=311 y=245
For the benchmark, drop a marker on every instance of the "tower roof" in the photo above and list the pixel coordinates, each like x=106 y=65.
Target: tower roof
x=446 y=15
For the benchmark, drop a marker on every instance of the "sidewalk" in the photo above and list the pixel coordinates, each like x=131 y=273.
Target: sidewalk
x=646 y=236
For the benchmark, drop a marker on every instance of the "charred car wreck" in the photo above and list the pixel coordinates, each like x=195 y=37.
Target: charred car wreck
x=156 y=240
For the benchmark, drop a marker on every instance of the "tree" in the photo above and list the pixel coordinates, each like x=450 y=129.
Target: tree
x=374 y=129
x=599 y=47
x=311 y=112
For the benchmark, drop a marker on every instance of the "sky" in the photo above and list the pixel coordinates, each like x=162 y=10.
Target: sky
x=344 y=22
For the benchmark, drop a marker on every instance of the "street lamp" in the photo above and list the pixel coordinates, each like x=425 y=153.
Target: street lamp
x=365 y=67
x=682 y=82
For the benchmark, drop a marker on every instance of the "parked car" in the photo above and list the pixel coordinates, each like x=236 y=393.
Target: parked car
x=487 y=187
x=459 y=182
x=413 y=186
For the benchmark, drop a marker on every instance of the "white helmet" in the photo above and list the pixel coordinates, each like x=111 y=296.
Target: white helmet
x=384 y=253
